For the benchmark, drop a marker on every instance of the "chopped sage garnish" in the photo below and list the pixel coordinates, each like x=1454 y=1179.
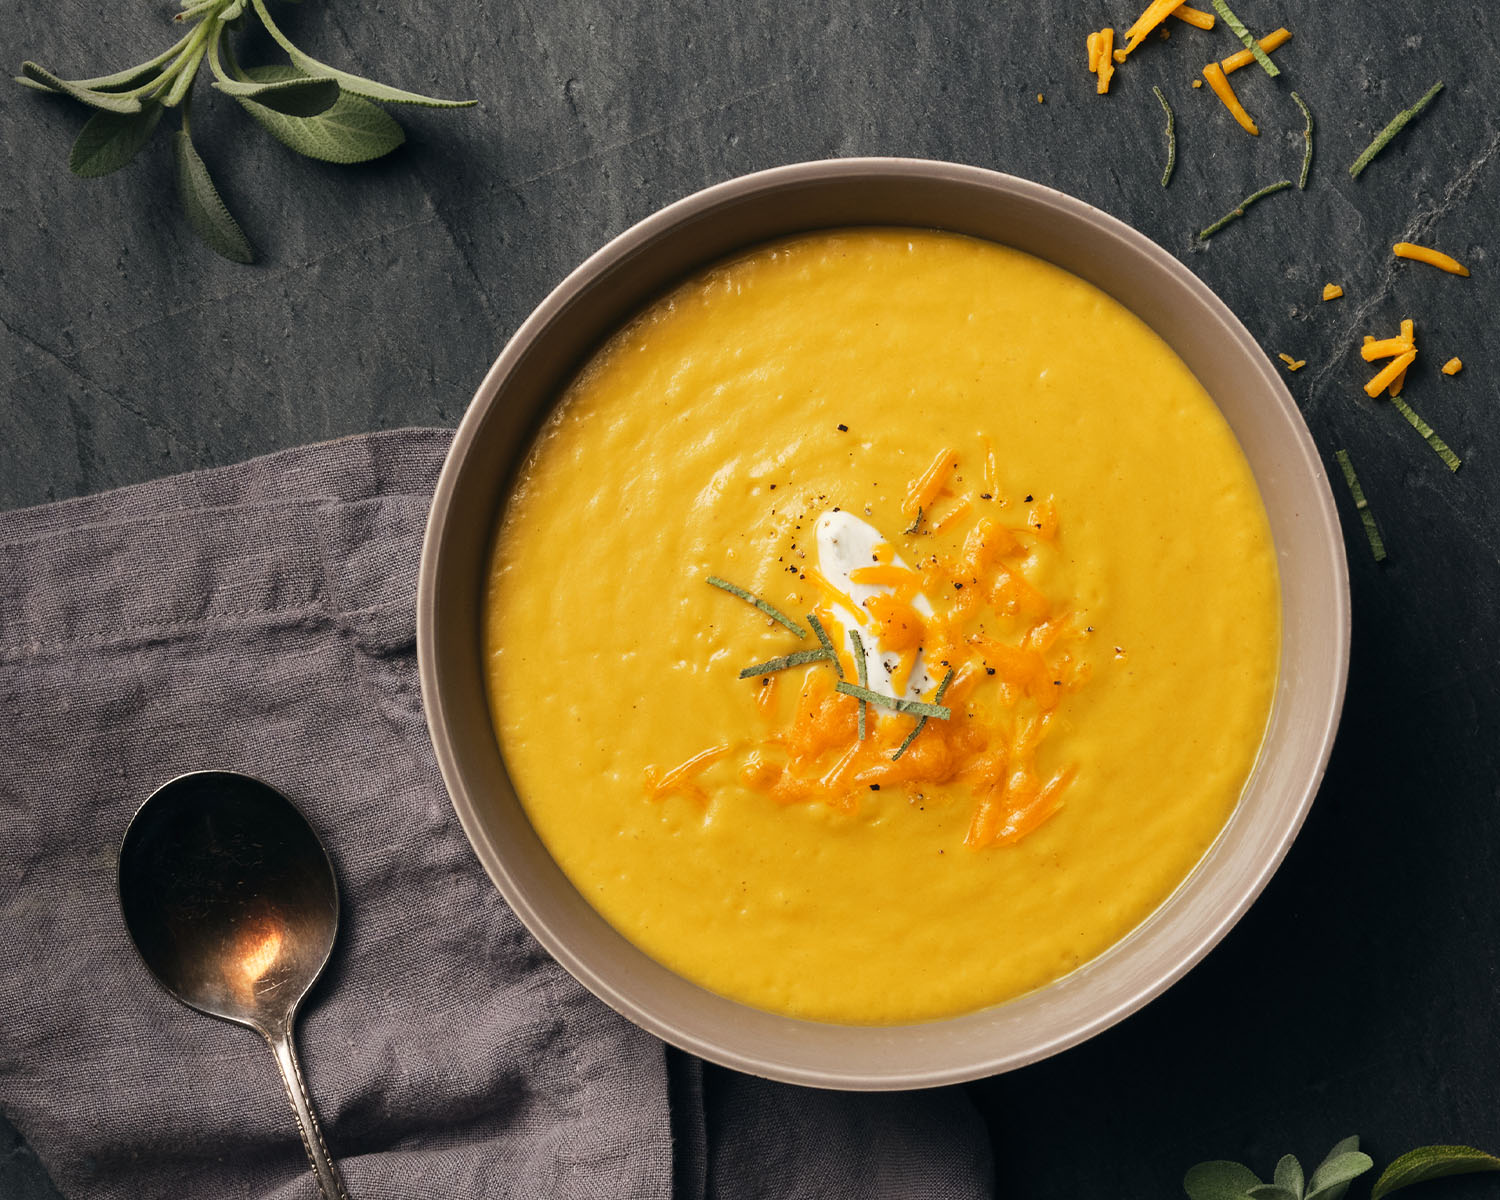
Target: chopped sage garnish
x=1237 y=27
x=1239 y=211
x=1440 y=447
x=1362 y=506
x=823 y=640
x=919 y=708
x=798 y=659
x=862 y=668
x=922 y=722
x=1398 y=123
x=915 y=525
x=1307 y=138
x=765 y=606
x=1166 y=175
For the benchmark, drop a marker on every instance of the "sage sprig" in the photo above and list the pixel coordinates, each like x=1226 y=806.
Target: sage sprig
x=312 y=108
x=1222 y=1180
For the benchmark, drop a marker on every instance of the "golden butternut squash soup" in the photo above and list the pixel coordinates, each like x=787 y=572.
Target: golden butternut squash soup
x=884 y=623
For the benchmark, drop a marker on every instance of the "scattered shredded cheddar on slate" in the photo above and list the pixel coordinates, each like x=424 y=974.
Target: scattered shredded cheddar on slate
x=1453 y=366
x=1197 y=83
x=1389 y=374
x=1366 y=517
x=1292 y=364
x=1093 y=47
x=1106 y=60
x=1194 y=16
x=1434 y=258
x=1243 y=58
x=1439 y=447
x=1156 y=12
x=1215 y=76
x=1332 y=291
x=1398 y=123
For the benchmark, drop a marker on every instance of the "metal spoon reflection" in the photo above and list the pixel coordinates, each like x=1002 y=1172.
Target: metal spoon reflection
x=231 y=900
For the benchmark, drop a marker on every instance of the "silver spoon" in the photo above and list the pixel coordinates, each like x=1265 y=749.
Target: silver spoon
x=231 y=900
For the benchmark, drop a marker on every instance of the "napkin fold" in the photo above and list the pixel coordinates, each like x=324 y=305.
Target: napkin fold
x=260 y=618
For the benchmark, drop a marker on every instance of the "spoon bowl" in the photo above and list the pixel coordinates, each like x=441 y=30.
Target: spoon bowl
x=232 y=902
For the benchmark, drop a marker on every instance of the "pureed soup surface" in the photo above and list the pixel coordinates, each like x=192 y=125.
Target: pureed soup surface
x=1091 y=572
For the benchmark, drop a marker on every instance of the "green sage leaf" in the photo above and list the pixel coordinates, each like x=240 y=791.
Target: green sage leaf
x=1432 y=1162
x=204 y=207
x=128 y=78
x=105 y=101
x=1271 y=1191
x=1335 y=1172
x=109 y=140
x=1219 y=1180
x=1289 y=1175
x=353 y=130
x=296 y=97
x=1348 y=1144
x=350 y=83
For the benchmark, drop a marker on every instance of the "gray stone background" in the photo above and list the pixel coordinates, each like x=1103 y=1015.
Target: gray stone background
x=1360 y=993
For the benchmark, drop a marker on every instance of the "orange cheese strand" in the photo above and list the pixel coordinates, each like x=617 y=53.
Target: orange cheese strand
x=1093 y=46
x=1194 y=16
x=679 y=777
x=1332 y=291
x=952 y=515
x=766 y=697
x=1292 y=364
x=1453 y=366
x=1224 y=92
x=1244 y=58
x=1032 y=816
x=1408 y=330
x=929 y=485
x=1156 y=12
x=1395 y=368
x=1385 y=348
x=1106 y=59
x=1434 y=258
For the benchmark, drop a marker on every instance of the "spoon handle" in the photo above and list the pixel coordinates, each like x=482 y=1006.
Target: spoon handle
x=330 y=1186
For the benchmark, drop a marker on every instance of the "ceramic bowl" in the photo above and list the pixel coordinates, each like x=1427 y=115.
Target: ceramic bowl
x=617 y=282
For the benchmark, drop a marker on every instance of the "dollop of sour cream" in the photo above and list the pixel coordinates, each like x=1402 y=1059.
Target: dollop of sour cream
x=845 y=544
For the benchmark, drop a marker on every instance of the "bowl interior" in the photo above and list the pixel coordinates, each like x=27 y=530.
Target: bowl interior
x=619 y=280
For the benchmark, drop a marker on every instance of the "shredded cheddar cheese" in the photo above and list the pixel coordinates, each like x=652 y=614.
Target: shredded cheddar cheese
x=680 y=777
x=1194 y=16
x=1453 y=366
x=1277 y=37
x=1197 y=83
x=1393 y=370
x=929 y=485
x=1292 y=364
x=1093 y=45
x=1156 y=12
x=1434 y=258
x=1332 y=291
x=1106 y=59
x=1385 y=348
x=1216 y=80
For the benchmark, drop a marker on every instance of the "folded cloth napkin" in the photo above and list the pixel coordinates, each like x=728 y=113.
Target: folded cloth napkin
x=261 y=618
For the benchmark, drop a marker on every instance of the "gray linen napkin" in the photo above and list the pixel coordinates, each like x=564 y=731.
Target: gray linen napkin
x=260 y=618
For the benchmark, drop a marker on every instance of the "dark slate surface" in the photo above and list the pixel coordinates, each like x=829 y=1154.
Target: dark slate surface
x=1360 y=993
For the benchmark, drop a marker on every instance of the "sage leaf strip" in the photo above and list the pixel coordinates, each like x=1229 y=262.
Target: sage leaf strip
x=205 y=209
x=1432 y=1162
x=109 y=140
x=917 y=708
x=350 y=83
x=106 y=101
x=353 y=130
x=797 y=658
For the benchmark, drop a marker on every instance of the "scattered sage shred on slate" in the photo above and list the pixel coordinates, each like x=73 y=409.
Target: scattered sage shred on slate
x=1439 y=447
x=1166 y=175
x=1398 y=123
x=314 y=109
x=1239 y=210
x=1237 y=27
x=1362 y=506
x=1307 y=149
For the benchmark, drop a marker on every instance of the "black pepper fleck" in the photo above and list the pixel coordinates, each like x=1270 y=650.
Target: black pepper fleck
x=874 y=787
x=989 y=670
x=843 y=429
x=1028 y=499
x=985 y=496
